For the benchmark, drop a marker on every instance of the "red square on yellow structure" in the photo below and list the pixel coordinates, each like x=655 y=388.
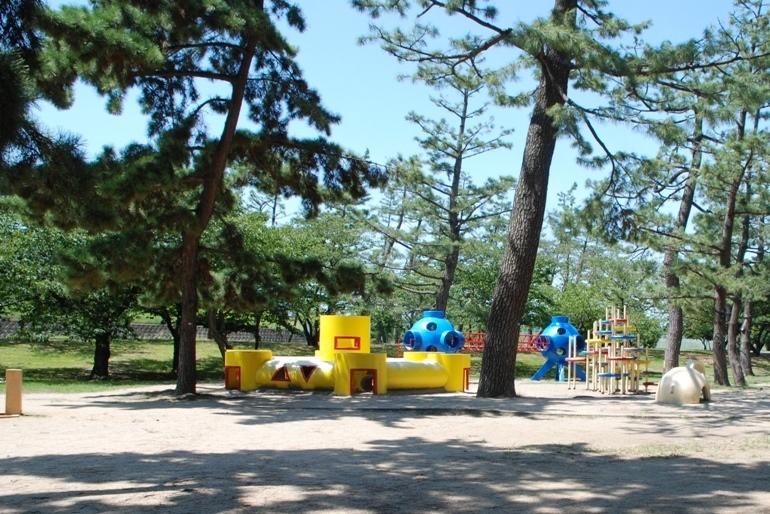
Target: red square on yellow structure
x=347 y=343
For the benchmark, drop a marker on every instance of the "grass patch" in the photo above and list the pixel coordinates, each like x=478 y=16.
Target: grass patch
x=526 y=365
x=63 y=365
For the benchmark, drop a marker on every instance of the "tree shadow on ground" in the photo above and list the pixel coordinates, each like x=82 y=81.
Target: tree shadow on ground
x=262 y=407
x=417 y=475
x=638 y=414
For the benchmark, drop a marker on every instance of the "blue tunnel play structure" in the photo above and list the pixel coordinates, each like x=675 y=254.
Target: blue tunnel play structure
x=433 y=333
x=553 y=344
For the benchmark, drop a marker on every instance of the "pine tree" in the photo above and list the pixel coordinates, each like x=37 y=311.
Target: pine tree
x=177 y=184
x=449 y=194
x=443 y=200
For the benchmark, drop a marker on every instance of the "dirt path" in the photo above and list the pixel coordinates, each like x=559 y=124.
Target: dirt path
x=551 y=450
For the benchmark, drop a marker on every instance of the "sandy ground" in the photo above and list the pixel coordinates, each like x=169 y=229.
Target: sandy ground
x=551 y=450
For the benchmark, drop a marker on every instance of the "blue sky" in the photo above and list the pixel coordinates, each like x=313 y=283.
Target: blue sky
x=360 y=83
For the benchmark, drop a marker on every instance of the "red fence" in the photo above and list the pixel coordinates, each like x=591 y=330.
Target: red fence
x=474 y=343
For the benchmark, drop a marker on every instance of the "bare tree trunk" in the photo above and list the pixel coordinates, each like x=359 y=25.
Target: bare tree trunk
x=671 y=278
x=499 y=360
x=101 y=367
x=186 y=372
x=673 y=335
x=748 y=316
x=447 y=279
x=718 y=339
x=745 y=348
x=733 y=330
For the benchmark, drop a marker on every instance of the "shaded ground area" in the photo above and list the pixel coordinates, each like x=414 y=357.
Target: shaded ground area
x=552 y=450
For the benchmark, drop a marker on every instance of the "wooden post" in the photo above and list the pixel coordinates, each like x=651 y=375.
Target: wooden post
x=13 y=391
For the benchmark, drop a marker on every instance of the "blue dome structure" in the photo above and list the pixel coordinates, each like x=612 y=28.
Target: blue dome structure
x=553 y=344
x=433 y=333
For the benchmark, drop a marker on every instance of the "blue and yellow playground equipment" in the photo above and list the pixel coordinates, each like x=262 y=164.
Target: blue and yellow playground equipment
x=344 y=363
x=555 y=343
x=613 y=358
x=610 y=360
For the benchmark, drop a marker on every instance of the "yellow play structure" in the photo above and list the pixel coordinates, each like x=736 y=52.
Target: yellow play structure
x=344 y=363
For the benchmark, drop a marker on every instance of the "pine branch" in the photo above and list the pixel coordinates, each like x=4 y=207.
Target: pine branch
x=206 y=44
x=464 y=12
x=411 y=53
x=486 y=215
x=646 y=72
x=201 y=74
x=199 y=107
x=423 y=273
x=682 y=239
x=430 y=201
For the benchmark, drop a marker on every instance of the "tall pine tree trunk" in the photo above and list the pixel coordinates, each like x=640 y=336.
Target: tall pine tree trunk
x=101 y=367
x=733 y=333
x=455 y=226
x=725 y=260
x=671 y=277
x=674 y=332
x=748 y=316
x=718 y=340
x=447 y=279
x=745 y=345
x=733 y=326
x=186 y=376
x=508 y=304
x=212 y=185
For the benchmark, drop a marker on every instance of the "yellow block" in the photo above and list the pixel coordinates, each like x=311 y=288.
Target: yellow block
x=458 y=368
x=415 y=373
x=455 y=368
x=360 y=372
x=343 y=334
x=13 y=378
x=241 y=368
